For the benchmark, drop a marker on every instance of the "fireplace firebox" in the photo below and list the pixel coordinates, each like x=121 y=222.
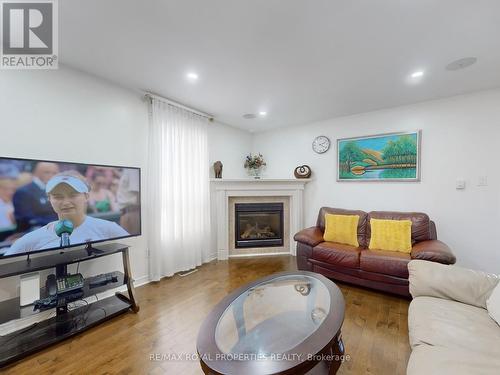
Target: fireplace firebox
x=258 y=225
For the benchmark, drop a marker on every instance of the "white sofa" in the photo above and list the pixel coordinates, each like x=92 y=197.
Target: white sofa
x=450 y=329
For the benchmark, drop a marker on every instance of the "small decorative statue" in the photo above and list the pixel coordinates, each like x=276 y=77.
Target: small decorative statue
x=302 y=171
x=218 y=169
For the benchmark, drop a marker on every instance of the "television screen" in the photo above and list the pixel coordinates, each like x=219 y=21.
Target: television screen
x=47 y=205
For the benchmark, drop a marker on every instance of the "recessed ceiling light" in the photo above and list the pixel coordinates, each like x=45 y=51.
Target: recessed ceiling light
x=461 y=63
x=417 y=74
x=262 y=113
x=192 y=76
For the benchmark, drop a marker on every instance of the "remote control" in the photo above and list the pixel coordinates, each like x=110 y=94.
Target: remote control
x=102 y=280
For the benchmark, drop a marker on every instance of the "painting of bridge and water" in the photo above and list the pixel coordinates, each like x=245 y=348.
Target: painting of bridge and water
x=383 y=157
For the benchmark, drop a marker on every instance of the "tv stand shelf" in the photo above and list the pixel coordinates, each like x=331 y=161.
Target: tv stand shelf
x=45 y=333
x=11 y=309
x=65 y=323
x=64 y=257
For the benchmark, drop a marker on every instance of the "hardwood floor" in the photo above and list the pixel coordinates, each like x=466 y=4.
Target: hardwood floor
x=375 y=329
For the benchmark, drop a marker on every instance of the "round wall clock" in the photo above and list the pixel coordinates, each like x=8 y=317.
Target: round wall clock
x=321 y=144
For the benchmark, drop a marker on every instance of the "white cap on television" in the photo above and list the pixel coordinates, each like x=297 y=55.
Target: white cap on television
x=74 y=182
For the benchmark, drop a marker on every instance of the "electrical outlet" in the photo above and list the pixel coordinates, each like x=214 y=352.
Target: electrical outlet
x=482 y=181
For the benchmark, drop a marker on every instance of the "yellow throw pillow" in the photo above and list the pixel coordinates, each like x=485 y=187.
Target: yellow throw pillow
x=341 y=229
x=391 y=235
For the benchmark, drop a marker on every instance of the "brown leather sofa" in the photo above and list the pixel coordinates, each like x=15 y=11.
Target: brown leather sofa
x=377 y=269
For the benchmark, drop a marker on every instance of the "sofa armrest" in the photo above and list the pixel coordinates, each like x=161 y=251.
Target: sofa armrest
x=433 y=250
x=450 y=282
x=310 y=236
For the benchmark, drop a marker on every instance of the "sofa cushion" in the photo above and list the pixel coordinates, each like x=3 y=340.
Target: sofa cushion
x=392 y=263
x=420 y=223
x=391 y=235
x=493 y=304
x=338 y=254
x=342 y=229
x=438 y=360
x=339 y=211
x=454 y=325
x=451 y=282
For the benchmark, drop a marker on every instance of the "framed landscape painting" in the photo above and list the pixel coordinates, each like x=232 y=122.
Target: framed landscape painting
x=383 y=157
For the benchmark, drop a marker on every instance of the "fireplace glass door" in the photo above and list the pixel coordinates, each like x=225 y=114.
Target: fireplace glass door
x=258 y=225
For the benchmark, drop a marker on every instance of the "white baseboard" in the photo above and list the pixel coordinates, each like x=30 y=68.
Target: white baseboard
x=143 y=280
x=257 y=255
x=211 y=258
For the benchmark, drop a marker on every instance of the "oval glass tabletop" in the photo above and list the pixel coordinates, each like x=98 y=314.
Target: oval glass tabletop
x=274 y=316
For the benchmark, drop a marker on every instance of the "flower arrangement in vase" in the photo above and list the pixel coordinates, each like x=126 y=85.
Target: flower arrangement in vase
x=254 y=164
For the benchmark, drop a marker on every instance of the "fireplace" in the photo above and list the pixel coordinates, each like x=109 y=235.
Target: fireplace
x=258 y=225
x=228 y=193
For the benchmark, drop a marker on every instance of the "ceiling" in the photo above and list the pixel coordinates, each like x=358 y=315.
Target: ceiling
x=299 y=60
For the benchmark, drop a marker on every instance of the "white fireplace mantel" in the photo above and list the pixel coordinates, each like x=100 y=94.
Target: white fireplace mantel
x=223 y=189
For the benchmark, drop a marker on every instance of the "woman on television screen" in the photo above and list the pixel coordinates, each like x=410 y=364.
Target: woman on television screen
x=68 y=194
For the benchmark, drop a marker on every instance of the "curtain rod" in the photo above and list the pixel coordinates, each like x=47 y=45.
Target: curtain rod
x=175 y=104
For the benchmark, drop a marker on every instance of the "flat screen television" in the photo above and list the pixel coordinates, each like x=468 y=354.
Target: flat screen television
x=47 y=205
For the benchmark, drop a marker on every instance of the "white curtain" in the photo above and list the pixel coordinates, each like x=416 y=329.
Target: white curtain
x=178 y=194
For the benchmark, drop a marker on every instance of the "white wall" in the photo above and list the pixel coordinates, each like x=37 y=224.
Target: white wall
x=230 y=146
x=460 y=138
x=70 y=116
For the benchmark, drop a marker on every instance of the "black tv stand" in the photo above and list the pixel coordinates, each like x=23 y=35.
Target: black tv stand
x=92 y=250
x=66 y=322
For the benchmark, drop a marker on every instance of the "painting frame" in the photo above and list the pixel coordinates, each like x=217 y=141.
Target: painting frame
x=393 y=135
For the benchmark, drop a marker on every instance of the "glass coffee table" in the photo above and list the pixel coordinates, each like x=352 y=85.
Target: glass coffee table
x=285 y=323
